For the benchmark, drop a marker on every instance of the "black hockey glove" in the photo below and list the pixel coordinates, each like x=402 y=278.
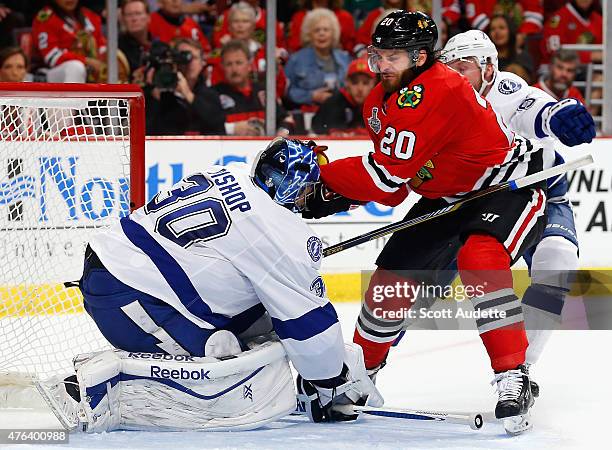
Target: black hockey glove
x=322 y=404
x=323 y=202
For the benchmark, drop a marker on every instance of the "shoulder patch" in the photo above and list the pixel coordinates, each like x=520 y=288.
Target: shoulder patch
x=526 y=104
x=315 y=248
x=410 y=97
x=317 y=287
x=554 y=21
x=508 y=86
x=44 y=14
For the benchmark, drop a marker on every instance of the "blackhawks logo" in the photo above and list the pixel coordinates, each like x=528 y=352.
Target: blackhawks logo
x=410 y=97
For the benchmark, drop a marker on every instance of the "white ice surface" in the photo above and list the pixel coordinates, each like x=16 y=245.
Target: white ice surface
x=430 y=369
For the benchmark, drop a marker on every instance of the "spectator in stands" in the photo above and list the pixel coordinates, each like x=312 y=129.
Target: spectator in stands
x=69 y=38
x=222 y=34
x=342 y=112
x=243 y=100
x=319 y=68
x=511 y=58
x=345 y=19
x=169 y=22
x=136 y=39
x=13 y=64
x=242 y=22
x=578 y=22
x=191 y=108
x=558 y=83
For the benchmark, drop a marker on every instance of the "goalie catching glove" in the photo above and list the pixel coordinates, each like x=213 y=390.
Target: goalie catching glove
x=333 y=400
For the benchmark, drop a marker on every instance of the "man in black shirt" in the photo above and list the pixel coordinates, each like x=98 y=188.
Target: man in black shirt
x=242 y=99
x=342 y=112
x=136 y=40
x=191 y=108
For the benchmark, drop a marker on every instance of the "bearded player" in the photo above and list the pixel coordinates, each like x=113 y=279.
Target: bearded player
x=433 y=134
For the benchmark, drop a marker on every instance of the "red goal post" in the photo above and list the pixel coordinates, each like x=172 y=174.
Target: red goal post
x=131 y=92
x=71 y=164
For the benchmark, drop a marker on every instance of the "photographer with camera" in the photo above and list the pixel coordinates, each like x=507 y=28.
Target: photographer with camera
x=177 y=99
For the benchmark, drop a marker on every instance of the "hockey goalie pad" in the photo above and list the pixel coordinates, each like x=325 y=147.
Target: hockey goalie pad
x=146 y=391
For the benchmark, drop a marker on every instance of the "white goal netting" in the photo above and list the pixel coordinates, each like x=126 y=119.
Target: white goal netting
x=64 y=175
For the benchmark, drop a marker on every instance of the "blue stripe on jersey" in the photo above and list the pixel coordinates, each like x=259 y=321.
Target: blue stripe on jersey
x=314 y=322
x=172 y=272
x=539 y=130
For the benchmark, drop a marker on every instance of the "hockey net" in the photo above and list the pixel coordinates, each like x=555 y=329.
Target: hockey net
x=71 y=164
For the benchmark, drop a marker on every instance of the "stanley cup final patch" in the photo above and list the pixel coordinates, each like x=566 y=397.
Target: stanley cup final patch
x=374 y=121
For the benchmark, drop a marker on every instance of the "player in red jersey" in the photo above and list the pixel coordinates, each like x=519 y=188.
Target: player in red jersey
x=70 y=40
x=169 y=23
x=434 y=134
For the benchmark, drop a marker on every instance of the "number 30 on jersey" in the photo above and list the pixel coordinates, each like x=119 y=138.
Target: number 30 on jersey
x=401 y=144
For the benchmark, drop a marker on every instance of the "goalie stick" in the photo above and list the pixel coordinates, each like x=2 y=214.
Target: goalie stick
x=472 y=419
x=508 y=185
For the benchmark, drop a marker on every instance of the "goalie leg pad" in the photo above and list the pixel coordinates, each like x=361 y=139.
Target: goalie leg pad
x=147 y=391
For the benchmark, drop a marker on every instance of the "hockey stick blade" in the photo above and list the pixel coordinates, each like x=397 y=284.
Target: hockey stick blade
x=509 y=185
x=473 y=420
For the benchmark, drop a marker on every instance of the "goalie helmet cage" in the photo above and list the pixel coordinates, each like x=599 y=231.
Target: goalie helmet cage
x=71 y=164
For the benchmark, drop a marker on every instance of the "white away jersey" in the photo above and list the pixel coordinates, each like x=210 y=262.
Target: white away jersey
x=218 y=250
x=522 y=107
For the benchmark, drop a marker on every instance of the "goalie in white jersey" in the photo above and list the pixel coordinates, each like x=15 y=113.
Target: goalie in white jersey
x=183 y=286
x=534 y=114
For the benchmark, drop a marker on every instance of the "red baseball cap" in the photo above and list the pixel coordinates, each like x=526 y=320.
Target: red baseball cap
x=359 y=66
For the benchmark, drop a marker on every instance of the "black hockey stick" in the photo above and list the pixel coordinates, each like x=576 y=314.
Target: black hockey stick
x=509 y=185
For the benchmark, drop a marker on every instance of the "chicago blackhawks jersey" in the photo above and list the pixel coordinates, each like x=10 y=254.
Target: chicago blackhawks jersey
x=436 y=136
x=567 y=26
x=219 y=251
x=64 y=38
x=166 y=29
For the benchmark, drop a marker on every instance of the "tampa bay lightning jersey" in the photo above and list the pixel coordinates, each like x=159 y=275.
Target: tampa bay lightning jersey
x=522 y=109
x=218 y=250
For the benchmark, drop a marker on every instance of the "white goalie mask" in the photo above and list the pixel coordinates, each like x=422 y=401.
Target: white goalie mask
x=471 y=44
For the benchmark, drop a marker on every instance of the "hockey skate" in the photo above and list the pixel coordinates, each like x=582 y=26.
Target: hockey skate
x=63 y=398
x=515 y=400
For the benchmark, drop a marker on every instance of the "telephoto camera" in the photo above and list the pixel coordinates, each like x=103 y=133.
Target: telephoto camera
x=165 y=60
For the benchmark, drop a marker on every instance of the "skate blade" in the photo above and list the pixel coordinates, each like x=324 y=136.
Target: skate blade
x=518 y=424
